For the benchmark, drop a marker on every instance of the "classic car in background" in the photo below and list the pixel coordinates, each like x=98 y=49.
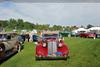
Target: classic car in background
x=51 y=46
x=87 y=35
x=95 y=30
x=98 y=35
x=8 y=45
x=67 y=34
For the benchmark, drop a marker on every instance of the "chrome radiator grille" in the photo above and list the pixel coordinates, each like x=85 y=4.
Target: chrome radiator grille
x=52 y=47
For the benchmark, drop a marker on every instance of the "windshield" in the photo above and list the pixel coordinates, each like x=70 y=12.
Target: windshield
x=2 y=36
x=50 y=35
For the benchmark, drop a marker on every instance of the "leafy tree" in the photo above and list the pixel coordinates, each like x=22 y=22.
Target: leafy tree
x=21 y=24
x=3 y=23
x=12 y=23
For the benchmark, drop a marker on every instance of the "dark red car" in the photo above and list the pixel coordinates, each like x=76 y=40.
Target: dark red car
x=88 y=35
x=51 y=47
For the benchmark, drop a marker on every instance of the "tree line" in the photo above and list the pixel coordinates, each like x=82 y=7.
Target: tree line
x=20 y=24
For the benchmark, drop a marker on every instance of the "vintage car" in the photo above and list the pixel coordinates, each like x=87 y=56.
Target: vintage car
x=9 y=45
x=87 y=35
x=51 y=46
x=67 y=34
x=97 y=35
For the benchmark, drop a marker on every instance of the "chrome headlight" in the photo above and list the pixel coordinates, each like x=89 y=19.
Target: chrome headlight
x=44 y=44
x=60 y=45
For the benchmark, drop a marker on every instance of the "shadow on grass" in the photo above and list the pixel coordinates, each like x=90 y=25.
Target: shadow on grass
x=6 y=58
x=52 y=59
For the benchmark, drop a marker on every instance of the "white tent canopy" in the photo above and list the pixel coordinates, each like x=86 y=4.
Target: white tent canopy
x=94 y=28
x=74 y=31
x=24 y=31
x=34 y=31
x=14 y=30
x=80 y=29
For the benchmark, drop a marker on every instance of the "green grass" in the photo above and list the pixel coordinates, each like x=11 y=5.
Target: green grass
x=84 y=52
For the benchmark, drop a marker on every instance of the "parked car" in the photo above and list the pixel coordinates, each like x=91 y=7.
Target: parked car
x=8 y=45
x=88 y=35
x=98 y=35
x=51 y=46
x=65 y=33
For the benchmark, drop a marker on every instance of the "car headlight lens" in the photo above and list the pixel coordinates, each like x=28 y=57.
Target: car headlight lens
x=60 y=45
x=59 y=40
x=44 y=44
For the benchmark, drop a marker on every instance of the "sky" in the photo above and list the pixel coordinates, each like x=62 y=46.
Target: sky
x=52 y=13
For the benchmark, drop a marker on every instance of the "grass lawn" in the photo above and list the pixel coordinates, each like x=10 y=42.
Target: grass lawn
x=84 y=52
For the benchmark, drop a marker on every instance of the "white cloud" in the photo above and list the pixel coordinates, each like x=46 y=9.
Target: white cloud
x=54 y=13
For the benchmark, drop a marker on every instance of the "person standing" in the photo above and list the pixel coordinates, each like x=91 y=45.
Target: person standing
x=27 y=37
x=35 y=39
x=23 y=37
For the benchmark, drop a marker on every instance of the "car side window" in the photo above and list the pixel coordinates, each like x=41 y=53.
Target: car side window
x=8 y=37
